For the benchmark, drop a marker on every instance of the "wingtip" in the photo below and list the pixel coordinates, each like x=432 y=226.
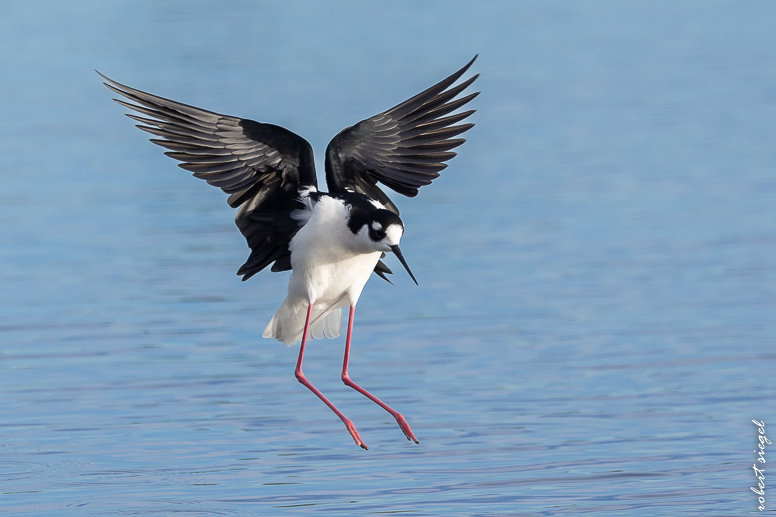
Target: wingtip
x=470 y=63
x=466 y=67
x=108 y=79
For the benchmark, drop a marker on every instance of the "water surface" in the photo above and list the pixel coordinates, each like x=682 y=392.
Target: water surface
x=594 y=325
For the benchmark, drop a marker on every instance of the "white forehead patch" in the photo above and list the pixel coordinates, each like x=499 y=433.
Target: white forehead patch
x=393 y=233
x=376 y=226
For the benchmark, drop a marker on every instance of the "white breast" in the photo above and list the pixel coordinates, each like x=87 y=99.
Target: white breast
x=326 y=258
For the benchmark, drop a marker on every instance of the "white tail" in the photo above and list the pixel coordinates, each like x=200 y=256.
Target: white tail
x=328 y=325
x=287 y=324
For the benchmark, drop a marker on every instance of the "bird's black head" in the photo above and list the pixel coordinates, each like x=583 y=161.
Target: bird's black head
x=374 y=229
x=386 y=229
x=381 y=222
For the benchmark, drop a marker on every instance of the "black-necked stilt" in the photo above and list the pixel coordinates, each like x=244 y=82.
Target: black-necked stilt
x=331 y=241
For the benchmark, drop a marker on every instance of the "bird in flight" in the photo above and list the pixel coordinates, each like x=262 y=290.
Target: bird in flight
x=331 y=241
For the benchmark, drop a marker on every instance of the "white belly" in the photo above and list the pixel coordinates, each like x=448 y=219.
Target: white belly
x=332 y=284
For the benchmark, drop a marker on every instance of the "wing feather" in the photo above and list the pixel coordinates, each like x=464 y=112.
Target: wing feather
x=403 y=148
x=264 y=167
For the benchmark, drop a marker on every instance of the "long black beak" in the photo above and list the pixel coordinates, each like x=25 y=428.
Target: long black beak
x=397 y=251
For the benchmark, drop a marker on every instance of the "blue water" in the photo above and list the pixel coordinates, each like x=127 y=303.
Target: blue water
x=594 y=326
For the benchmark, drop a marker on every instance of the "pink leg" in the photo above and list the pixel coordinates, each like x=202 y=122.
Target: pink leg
x=405 y=427
x=302 y=379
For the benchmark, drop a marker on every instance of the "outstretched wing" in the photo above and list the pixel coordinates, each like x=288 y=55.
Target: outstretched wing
x=404 y=148
x=262 y=166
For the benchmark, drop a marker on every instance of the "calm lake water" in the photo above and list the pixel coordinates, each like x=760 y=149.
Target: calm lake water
x=594 y=327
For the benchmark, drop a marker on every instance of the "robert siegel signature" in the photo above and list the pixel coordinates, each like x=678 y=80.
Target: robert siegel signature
x=760 y=473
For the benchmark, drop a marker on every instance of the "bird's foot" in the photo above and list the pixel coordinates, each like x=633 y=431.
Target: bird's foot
x=405 y=427
x=354 y=433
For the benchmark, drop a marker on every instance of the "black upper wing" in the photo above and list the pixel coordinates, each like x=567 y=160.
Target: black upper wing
x=404 y=148
x=262 y=167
